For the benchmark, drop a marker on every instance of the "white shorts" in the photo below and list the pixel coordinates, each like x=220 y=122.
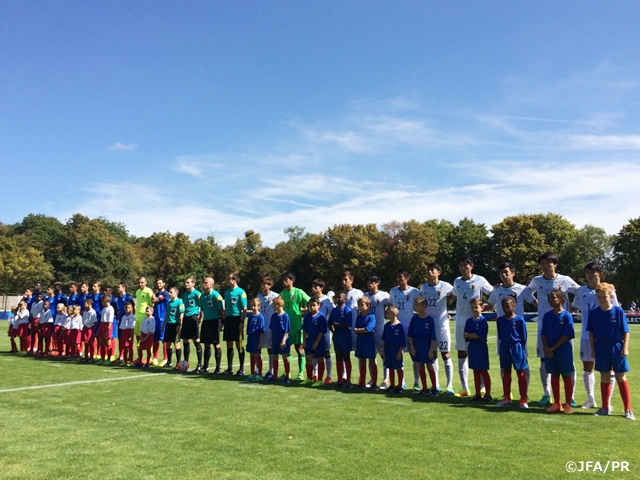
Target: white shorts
x=443 y=337
x=461 y=343
x=585 y=350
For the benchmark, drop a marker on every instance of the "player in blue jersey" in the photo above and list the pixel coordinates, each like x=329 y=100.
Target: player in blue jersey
x=84 y=294
x=326 y=305
x=280 y=326
x=314 y=328
x=365 y=343
x=266 y=297
x=556 y=333
x=512 y=338
x=423 y=345
x=476 y=330
x=160 y=303
x=74 y=297
x=122 y=300
x=255 y=339
x=340 y=323
x=609 y=335
x=393 y=344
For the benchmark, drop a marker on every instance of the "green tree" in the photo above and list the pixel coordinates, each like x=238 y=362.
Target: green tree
x=358 y=248
x=22 y=266
x=626 y=261
x=45 y=234
x=590 y=244
x=90 y=252
x=412 y=246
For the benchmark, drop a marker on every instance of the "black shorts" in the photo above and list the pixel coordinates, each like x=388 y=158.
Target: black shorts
x=232 y=331
x=170 y=332
x=190 y=327
x=210 y=332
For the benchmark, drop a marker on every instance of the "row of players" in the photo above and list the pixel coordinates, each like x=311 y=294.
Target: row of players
x=607 y=327
x=437 y=292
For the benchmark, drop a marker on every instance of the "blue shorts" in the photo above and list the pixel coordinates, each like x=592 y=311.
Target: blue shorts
x=562 y=360
x=478 y=353
x=252 y=343
x=158 y=335
x=422 y=353
x=318 y=352
x=513 y=354
x=342 y=342
x=390 y=353
x=365 y=346
x=608 y=357
x=276 y=349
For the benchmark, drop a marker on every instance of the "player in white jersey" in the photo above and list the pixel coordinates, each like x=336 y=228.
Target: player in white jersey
x=436 y=292
x=402 y=297
x=326 y=305
x=508 y=288
x=353 y=295
x=585 y=301
x=266 y=297
x=379 y=301
x=465 y=288
x=541 y=286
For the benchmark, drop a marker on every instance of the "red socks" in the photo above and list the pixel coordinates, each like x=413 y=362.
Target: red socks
x=477 y=380
x=287 y=367
x=506 y=384
x=522 y=385
x=400 y=377
x=555 y=388
x=348 y=366
x=259 y=362
x=432 y=377
x=423 y=377
x=568 y=389
x=275 y=366
x=625 y=394
x=320 y=368
x=487 y=382
x=363 y=372
x=392 y=377
x=340 y=367
x=309 y=370
x=156 y=347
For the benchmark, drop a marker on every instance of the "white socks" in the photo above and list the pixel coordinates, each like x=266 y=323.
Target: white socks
x=463 y=370
x=448 y=370
x=436 y=369
x=544 y=378
x=329 y=363
x=589 y=380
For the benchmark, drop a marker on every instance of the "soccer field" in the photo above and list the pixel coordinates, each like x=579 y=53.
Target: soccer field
x=68 y=420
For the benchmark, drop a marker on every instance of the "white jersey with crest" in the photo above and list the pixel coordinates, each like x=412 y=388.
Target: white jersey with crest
x=543 y=287
x=436 y=296
x=403 y=300
x=266 y=304
x=379 y=301
x=500 y=292
x=465 y=291
x=585 y=301
x=353 y=296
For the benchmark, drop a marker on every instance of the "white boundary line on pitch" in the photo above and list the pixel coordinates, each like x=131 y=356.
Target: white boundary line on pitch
x=81 y=382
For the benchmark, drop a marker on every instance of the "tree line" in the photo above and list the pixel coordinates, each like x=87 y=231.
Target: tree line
x=41 y=248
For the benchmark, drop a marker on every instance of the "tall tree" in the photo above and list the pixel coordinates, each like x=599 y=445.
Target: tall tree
x=21 y=267
x=626 y=260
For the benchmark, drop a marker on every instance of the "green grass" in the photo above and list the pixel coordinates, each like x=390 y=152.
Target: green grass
x=175 y=426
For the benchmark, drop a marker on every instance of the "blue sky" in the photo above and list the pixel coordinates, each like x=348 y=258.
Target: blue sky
x=219 y=117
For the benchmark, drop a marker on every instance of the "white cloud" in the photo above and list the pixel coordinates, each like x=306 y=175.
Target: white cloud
x=123 y=146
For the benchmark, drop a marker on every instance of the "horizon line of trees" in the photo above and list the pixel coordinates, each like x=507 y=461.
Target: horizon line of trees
x=41 y=248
